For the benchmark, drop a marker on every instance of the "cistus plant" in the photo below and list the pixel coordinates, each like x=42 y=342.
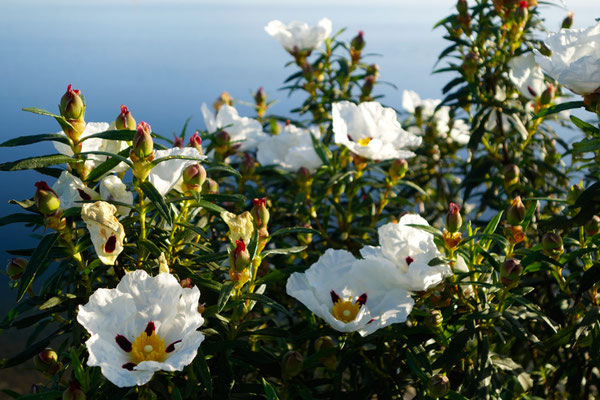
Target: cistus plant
x=347 y=250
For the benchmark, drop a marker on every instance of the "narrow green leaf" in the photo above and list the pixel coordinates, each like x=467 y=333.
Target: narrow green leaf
x=224 y=295
x=78 y=371
x=266 y=300
x=205 y=376
x=61 y=120
x=194 y=228
x=321 y=150
x=36 y=262
x=35 y=162
x=106 y=166
x=118 y=134
x=297 y=229
x=224 y=168
x=414 y=186
x=493 y=224
x=22 y=218
x=167 y=158
x=158 y=201
x=209 y=206
x=559 y=107
x=529 y=215
x=270 y=391
x=31 y=139
x=30 y=351
x=176 y=394
x=253 y=245
x=584 y=126
x=238 y=198
x=586 y=145
x=211 y=257
x=288 y=250
x=150 y=246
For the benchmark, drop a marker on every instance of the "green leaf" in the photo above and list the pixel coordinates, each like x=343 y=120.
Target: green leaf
x=266 y=300
x=288 y=250
x=78 y=370
x=22 y=218
x=30 y=351
x=194 y=228
x=253 y=245
x=269 y=390
x=31 y=139
x=586 y=145
x=584 y=126
x=119 y=134
x=211 y=257
x=167 y=158
x=56 y=300
x=50 y=395
x=224 y=295
x=297 y=229
x=202 y=365
x=414 y=186
x=150 y=246
x=213 y=197
x=158 y=201
x=529 y=215
x=321 y=150
x=36 y=262
x=493 y=224
x=61 y=120
x=35 y=162
x=559 y=107
x=176 y=394
x=106 y=153
x=224 y=168
x=106 y=166
x=209 y=206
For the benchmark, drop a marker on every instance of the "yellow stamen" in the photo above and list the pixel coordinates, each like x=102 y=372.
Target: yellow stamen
x=148 y=348
x=345 y=310
x=364 y=141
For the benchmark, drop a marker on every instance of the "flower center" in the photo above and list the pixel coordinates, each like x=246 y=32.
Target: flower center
x=345 y=310
x=148 y=348
x=364 y=141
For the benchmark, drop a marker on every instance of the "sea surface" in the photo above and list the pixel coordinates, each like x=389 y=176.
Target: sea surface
x=164 y=58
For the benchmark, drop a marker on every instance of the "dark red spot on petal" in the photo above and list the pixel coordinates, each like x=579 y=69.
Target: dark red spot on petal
x=123 y=343
x=111 y=244
x=83 y=194
x=409 y=260
x=171 y=347
x=334 y=296
x=362 y=299
x=129 y=366
x=371 y=320
x=350 y=138
x=150 y=328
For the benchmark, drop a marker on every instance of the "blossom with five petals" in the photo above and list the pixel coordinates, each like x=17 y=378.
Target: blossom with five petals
x=166 y=175
x=145 y=324
x=243 y=131
x=291 y=149
x=298 y=36
x=72 y=191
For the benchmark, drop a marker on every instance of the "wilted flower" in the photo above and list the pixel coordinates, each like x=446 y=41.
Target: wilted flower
x=246 y=132
x=113 y=189
x=298 y=36
x=240 y=226
x=351 y=295
x=95 y=144
x=527 y=75
x=371 y=131
x=145 y=324
x=166 y=175
x=575 y=59
x=409 y=250
x=291 y=149
x=106 y=231
x=72 y=191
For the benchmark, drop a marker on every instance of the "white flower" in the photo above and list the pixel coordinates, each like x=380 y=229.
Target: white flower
x=145 y=324
x=409 y=250
x=411 y=101
x=71 y=191
x=96 y=144
x=350 y=295
x=298 y=36
x=247 y=132
x=527 y=75
x=460 y=132
x=106 y=231
x=371 y=131
x=113 y=189
x=166 y=175
x=460 y=266
x=291 y=149
x=575 y=59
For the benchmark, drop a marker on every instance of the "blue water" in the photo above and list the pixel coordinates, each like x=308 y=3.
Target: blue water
x=163 y=59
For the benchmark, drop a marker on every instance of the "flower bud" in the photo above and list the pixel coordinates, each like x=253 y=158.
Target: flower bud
x=143 y=145
x=516 y=212
x=210 y=187
x=178 y=142
x=239 y=258
x=545 y=50
x=548 y=95
x=248 y=165
x=512 y=174
x=72 y=106
x=222 y=138
x=73 y=392
x=552 y=245
x=196 y=142
x=46 y=199
x=522 y=13
x=592 y=227
x=438 y=386
x=510 y=273
x=260 y=99
x=373 y=69
x=453 y=218
x=47 y=361
x=186 y=283
x=358 y=42
x=574 y=193
x=367 y=87
x=194 y=176
x=125 y=120
x=434 y=320
x=398 y=169
x=15 y=267
x=291 y=364
x=325 y=343
x=568 y=21
x=462 y=7
x=223 y=99
x=470 y=65
x=260 y=213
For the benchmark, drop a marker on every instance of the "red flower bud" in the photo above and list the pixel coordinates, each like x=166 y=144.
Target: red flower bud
x=196 y=142
x=72 y=106
x=260 y=213
x=239 y=258
x=125 y=120
x=143 y=145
